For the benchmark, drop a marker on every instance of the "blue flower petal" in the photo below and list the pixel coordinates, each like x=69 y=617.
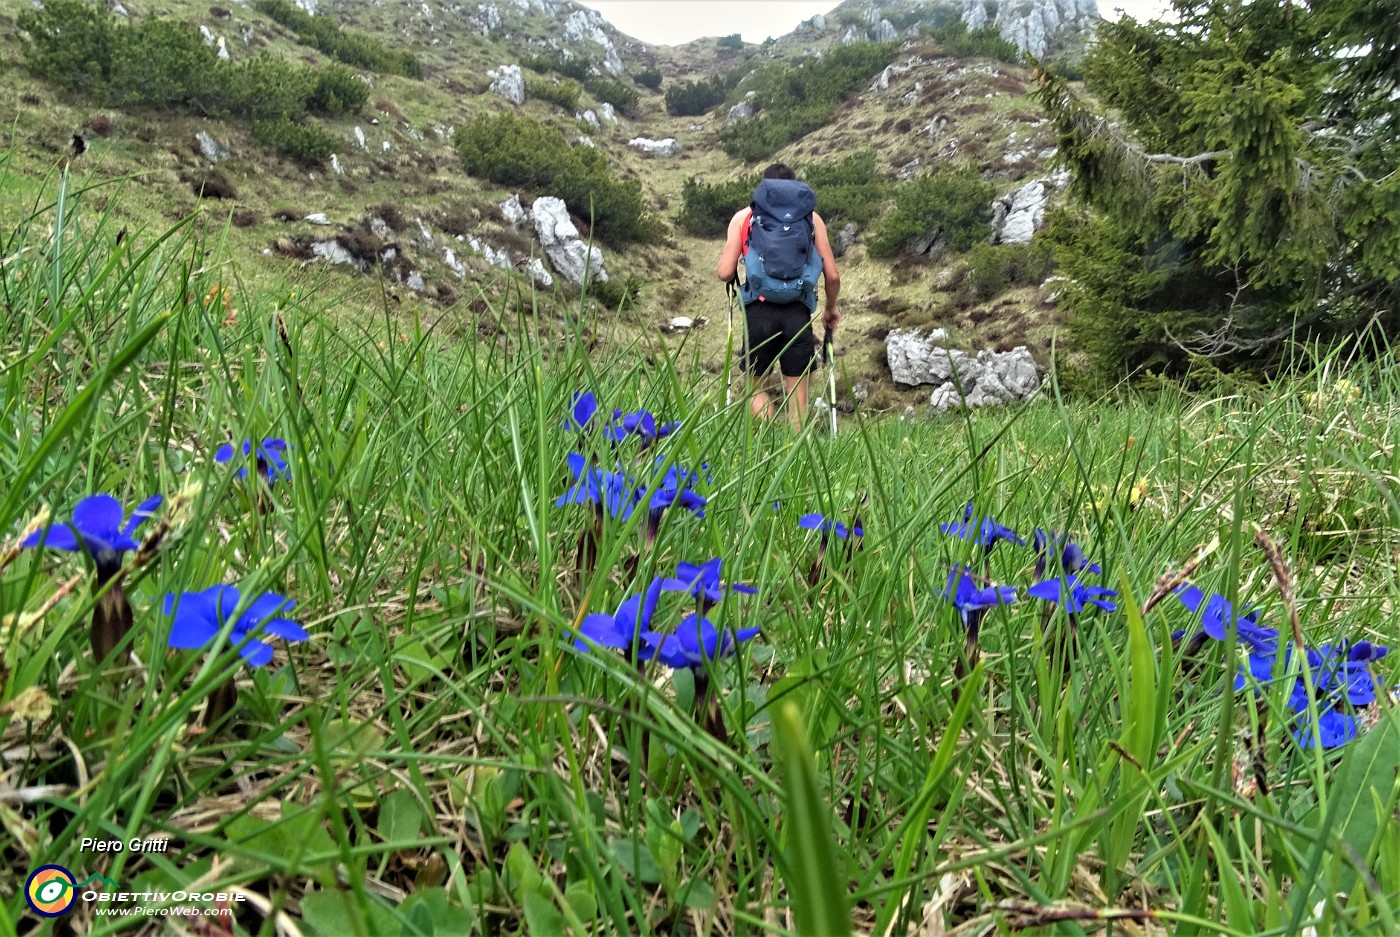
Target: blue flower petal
x=144 y=512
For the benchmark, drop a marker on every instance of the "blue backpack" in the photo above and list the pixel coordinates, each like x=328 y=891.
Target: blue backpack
x=781 y=263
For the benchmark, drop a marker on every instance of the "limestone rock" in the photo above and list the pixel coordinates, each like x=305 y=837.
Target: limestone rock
x=360 y=138
x=996 y=379
x=918 y=357
x=607 y=112
x=590 y=118
x=509 y=82
x=415 y=282
x=741 y=111
x=453 y=264
x=539 y=272
x=845 y=239
x=211 y=149
x=222 y=49
x=496 y=258
x=1016 y=217
x=335 y=165
x=661 y=149
x=1033 y=26
x=570 y=256
x=206 y=35
x=513 y=212
x=885 y=32
x=851 y=36
x=332 y=252
x=317 y=218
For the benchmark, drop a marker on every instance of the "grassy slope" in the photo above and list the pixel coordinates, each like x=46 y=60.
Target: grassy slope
x=435 y=759
x=421 y=176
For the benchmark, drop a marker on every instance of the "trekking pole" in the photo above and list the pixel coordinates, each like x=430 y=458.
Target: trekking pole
x=730 y=288
x=829 y=349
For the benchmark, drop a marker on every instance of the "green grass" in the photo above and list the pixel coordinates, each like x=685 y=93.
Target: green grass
x=437 y=759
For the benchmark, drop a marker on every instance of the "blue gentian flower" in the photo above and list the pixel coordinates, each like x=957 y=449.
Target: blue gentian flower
x=675 y=488
x=1068 y=554
x=987 y=532
x=584 y=407
x=624 y=629
x=694 y=642
x=1072 y=595
x=98 y=527
x=703 y=582
x=641 y=424
x=271 y=458
x=825 y=525
x=962 y=590
x=1334 y=729
x=1216 y=612
x=197 y=617
x=610 y=490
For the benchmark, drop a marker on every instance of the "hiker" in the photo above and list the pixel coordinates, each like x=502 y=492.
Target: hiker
x=784 y=246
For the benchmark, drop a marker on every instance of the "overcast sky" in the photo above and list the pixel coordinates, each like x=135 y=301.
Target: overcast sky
x=672 y=22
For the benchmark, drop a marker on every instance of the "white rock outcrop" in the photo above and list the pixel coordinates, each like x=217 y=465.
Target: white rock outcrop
x=992 y=379
x=1033 y=25
x=513 y=212
x=509 y=82
x=317 y=218
x=572 y=258
x=211 y=149
x=988 y=378
x=539 y=272
x=608 y=113
x=1017 y=216
x=885 y=32
x=661 y=149
x=741 y=111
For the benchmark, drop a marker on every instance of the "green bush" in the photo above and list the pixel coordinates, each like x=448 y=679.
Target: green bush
x=337 y=91
x=164 y=64
x=794 y=100
x=519 y=151
x=955 y=203
x=619 y=95
x=706 y=208
x=69 y=43
x=693 y=98
x=850 y=189
x=992 y=269
x=565 y=93
x=325 y=34
x=265 y=88
x=730 y=43
x=986 y=41
x=308 y=144
x=614 y=92
x=650 y=78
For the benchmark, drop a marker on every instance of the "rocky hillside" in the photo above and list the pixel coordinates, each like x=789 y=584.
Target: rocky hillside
x=394 y=201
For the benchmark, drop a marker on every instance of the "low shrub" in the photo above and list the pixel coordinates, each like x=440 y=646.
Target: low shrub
x=953 y=36
x=993 y=269
x=336 y=91
x=848 y=190
x=352 y=48
x=955 y=204
x=308 y=144
x=650 y=78
x=792 y=100
x=693 y=98
x=706 y=208
x=564 y=93
x=518 y=151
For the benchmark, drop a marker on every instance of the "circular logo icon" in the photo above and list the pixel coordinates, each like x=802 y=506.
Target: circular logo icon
x=51 y=890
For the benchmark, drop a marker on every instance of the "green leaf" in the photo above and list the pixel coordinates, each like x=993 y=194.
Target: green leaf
x=636 y=859
x=400 y=817
x=1364 y=793
x=698 y=895
x=542 y=918
x=434 y=906
x=815 y=883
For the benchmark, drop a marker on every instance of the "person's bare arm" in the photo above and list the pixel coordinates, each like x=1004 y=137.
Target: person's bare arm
x=831 y=277
x=729 y=259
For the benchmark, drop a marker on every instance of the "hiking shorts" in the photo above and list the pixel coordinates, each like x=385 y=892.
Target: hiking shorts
x=781 y=332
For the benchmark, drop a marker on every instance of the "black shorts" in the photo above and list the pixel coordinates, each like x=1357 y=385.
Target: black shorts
x=782 y=332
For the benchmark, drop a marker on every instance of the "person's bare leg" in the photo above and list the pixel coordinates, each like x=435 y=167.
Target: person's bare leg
x=796 y=399
x=760 y=403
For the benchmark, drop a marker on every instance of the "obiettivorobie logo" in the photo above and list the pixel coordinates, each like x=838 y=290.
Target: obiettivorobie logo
x=52 y=890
